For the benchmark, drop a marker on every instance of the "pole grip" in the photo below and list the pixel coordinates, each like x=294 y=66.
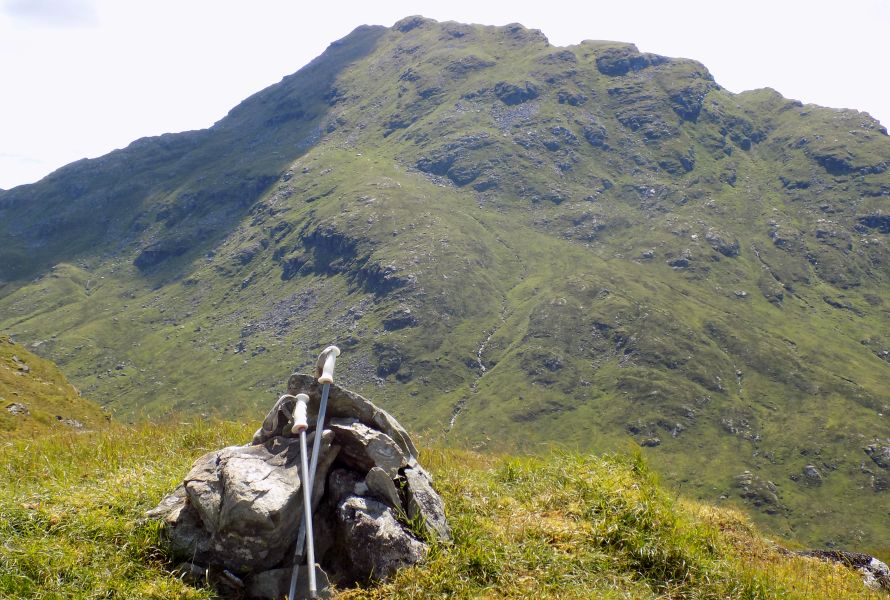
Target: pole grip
x=301 y=423
x=326 y=361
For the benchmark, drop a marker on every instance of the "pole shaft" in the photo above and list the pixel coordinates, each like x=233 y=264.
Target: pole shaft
x=319 y=429
x=309 y=483
x=307 y=516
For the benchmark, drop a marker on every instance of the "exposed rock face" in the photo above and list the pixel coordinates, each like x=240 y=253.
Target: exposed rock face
x=622 y=60
x=762 y=494
x=812 y=473
x=373 y=541
x=875 y=573
x=880 y=454
x=16 y=408
x=237 y=514
x=512 y=94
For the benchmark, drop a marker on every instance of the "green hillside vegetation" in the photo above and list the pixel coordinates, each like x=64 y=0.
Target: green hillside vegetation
x=563 y=525
x=35 y=397
x=515 y=245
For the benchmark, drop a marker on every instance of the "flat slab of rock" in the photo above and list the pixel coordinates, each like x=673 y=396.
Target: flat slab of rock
x=342 y=403
x=364 y=448
x=424 y=502
x=381 y=485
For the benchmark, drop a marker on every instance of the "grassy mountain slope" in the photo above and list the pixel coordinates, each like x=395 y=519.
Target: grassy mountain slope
x=514 y=244
x=35 y=397
x=560 y=526
x=159 y=194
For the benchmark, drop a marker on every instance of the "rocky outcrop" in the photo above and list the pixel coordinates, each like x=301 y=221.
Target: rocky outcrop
x=762 y=494
x=235 y=517
x=811 y=473
x=513 y=94
x=17 y=408
x=875 y=573
x=877 y=221
x=621 y=60
x=160 y=252
x=879 y=453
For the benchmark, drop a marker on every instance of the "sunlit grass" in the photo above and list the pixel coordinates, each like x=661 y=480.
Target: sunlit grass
x=565 y=525
x=72 y=505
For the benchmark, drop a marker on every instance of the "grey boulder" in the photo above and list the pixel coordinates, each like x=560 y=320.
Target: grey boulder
x=239 y=507
x=373 y=541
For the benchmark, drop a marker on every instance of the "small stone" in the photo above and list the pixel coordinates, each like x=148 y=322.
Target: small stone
x=18 y=409
x=191 y=573
x=812 y=473
x=69 y=422
x=381 y=486
x=650 y=442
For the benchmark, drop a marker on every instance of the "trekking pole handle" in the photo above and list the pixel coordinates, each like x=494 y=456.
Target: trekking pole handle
x=301 y=423
x=326 y=361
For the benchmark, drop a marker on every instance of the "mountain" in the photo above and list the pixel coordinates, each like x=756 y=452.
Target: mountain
x=515 y=245
x=35 y=397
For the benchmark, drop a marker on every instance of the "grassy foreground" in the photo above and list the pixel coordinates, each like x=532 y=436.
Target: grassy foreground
x=561 y=526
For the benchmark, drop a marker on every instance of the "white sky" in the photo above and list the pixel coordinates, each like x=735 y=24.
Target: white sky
x=79 y=78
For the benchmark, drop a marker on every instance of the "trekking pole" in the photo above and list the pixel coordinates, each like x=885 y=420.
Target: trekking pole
x=325 y=364
x=300 y=426
x=326 y=361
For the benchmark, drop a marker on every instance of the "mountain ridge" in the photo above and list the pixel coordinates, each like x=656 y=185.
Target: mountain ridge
x=515 y=244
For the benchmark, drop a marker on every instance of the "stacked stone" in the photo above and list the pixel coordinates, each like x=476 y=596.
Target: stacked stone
x=236 y=515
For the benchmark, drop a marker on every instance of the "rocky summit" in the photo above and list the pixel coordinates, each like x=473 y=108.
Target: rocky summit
x=515 y=244
x=235 y=518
